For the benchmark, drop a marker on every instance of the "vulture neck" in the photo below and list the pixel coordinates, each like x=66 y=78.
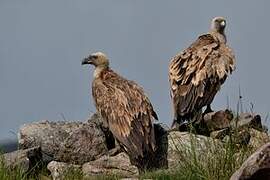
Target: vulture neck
x=99 y=69
x=219 y=35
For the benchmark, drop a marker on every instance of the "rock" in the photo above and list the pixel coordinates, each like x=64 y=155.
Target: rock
x=257 y=166
x=246 y=136
x=243 y=136
x=219 y=134
x=184 y=144
x=110 y=141
x=257 y=139
x=27 y=159
x=218 y=120
x=160 y=160
x=43 y=177
x=48 y=135
x=59 y=169
x=247 y=120
x=74 y=142
x=85 y=144
x=106 y=165
x=239 y=137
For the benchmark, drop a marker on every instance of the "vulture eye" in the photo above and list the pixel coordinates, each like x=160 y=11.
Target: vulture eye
x=94 y=57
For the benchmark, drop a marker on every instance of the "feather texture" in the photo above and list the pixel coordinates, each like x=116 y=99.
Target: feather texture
x=197 y=73
x=127 y=111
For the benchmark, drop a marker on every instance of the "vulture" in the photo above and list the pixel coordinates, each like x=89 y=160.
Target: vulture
x=125 y=110
x=197 y=73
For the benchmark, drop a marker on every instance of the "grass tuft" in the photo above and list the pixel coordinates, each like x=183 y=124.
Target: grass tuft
x=216 y=163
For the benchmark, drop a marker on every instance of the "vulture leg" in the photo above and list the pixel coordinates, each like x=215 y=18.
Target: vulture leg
x=176 y=121
x=175 y=124
x=208 y=109
x=184 y=126
x=179 y=124
x=116 y=150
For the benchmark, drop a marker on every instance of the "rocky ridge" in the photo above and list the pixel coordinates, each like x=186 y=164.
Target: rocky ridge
x=87 y=146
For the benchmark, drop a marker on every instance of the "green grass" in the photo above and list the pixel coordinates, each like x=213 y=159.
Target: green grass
x=12 y=174
x=215 y=164
x=18 y=173
x=73 y=174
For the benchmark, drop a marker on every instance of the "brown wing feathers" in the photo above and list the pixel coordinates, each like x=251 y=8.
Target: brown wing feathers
x=127 y=110
x=196 y=73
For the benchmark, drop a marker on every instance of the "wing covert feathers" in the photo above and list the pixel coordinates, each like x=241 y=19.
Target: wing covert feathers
x=197 y=73
x=127 y=110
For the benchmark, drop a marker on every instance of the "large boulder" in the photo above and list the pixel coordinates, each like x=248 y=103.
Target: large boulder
x=60 y=169
x=257 y=139
x=74 y=142
x=257 y=166
x=104 y=166
x=111 y=165
x=247 y=120
x=220 y=134
x=244 y=129
x=183 y=144
x=48 y=135
x=224 y=119
x=26 y=160
x=218 y=120
x=247 y=136
x=85 y=144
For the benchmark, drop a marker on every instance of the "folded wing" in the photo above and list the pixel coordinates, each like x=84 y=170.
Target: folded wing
x=196 y=73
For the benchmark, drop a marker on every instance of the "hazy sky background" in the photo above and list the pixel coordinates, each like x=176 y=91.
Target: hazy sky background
x=42 y=44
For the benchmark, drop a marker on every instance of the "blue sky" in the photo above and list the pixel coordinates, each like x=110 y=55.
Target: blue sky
x=42 y=44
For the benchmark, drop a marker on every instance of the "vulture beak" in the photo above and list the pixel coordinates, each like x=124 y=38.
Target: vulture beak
x=223 y=23
x=87 y=60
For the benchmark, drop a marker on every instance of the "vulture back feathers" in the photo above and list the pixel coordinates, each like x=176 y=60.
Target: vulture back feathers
x=126 y=110
x=197 y=73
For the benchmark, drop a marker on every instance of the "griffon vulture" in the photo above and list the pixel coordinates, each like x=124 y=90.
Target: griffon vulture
x=197 y=73
x=125 y=109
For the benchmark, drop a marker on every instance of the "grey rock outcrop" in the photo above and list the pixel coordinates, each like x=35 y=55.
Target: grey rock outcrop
x=243 y=136
x=24 y=159
x=74 y=142
x=85 y=144
x=247 y=120
x=47 y=135
x=257 y=166
x=219 y=134
x=218 y=120
x=222 y=124
x=111 y=165
x=183 y=144
x=59 y=169
x=257 y=139
x=223 y=119
x=106 y=165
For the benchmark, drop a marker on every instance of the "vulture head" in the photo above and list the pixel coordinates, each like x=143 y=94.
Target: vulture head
x=97 y=59
x=218 y=24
